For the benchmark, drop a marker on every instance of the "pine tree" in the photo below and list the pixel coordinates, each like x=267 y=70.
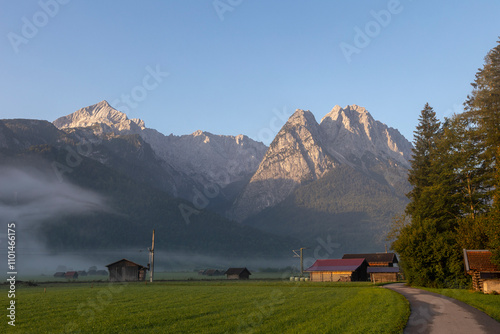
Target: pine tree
x=424 y=144
x=484 y=106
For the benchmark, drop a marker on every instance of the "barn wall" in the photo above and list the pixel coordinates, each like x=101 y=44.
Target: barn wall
x=330 y=276
x=383 y=277
x=491 y=286
x=122 y=272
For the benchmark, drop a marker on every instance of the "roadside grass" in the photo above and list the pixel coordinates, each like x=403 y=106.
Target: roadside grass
x=489 y=304
x=208 y=307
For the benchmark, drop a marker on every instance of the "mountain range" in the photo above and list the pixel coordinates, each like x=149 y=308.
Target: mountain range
x=339 y=180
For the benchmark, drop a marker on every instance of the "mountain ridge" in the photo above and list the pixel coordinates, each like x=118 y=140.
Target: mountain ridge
x=304 y=151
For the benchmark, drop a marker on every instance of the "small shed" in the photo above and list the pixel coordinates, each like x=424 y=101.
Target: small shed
x=126 y=270
x=71 y=275
x=338 y=270
x=59 y=274
x=237 y=273
x=213 y=272
x=375 y=259
x=478 y=264
x=383 y=274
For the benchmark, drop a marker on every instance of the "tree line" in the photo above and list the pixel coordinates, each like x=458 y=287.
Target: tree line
x=455 y=200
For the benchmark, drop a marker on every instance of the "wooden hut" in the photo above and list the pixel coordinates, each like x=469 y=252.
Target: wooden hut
x=484 y=272
x=71 y=275
x=375 y=259
x=383 y=274
x=126 y=270
x=237 y=273
x=59 y=274
x=338 y=270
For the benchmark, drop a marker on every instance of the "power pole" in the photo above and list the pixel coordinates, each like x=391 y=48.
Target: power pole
x=152 y=258
x=301 y=259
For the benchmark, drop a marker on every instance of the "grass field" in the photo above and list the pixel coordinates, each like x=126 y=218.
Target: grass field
x=171 y=276
x=207 y=307
x=490 y=304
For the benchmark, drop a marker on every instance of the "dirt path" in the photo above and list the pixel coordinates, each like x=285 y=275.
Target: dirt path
x=433 y=313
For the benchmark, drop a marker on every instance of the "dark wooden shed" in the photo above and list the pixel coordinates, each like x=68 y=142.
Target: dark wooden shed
x=126 y=270
x=238 y=273
x=59 y=274
x=375 y=259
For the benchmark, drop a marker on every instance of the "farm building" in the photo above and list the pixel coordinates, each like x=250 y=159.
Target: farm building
x=59 y=274
x=71 y=275
x=82 y=273
x=126 y=270
x=338 y=270
x=212 y=272
x=375 y=259
x=485 y=274
x=383 y=274
x=237 y=273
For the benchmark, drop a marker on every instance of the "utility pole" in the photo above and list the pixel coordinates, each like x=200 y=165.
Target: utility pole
x=301 y=259
x=152 y=258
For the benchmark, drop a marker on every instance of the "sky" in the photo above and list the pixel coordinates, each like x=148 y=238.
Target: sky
x=241 y=66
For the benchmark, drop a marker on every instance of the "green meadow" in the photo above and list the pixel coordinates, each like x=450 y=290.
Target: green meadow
x=207 y=307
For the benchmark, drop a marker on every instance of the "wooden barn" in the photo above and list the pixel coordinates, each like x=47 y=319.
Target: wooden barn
x=338 y=270
x=484 y=272
x=59 y=274
x=383 y=274
x=375 y=259
x=71 y=275
x=212 y=272
x=126 y=270
x=237 y=273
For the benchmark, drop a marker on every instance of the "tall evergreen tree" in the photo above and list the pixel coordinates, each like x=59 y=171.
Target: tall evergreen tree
x=424 y=144
x=484 y=105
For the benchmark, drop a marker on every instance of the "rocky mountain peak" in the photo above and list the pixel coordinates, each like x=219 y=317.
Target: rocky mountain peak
x=305 y=151
x=100 y=113
x=352 y=132
x=294 y=157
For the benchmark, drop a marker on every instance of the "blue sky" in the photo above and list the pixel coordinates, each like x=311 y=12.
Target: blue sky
x=235 y=65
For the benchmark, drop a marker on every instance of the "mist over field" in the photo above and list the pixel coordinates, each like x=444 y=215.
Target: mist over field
x=29 y=197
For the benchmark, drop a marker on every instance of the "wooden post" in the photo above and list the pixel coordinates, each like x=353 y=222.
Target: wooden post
x=152 y=254
x=301 y=263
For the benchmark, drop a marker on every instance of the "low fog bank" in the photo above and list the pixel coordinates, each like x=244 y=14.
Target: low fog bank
x=29 y=196
x=32 y=263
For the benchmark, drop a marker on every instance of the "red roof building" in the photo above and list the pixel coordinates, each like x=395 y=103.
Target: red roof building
x=338 y=270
